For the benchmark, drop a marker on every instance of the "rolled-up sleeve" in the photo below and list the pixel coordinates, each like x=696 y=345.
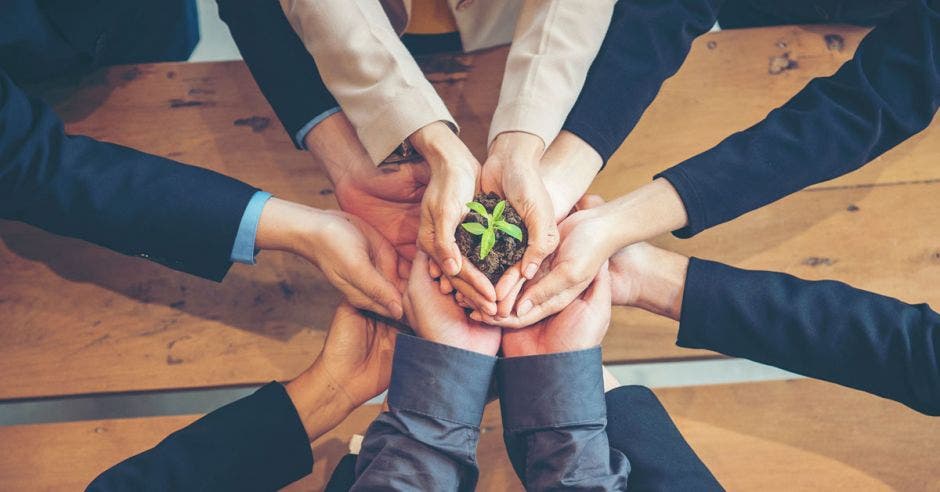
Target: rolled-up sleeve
x=554 y=422
x=552 y=49
x=427 y=440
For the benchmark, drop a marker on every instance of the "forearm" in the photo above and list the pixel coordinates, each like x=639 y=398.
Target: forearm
x=278 y=61
x=366 y=67
x=824 y=329
x=554 y=421
x=833 y=126
x=568 y=168
x=554 y=44
x=427 y=439
x=645 y=44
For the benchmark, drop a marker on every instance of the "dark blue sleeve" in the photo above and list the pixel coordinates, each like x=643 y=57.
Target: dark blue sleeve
x=428 y=438
x=280 y=64
x=661 y=459
x=646 y=43
x=256 y=443
x=138 y=204
x=888 y=92
x=823 y=329
x=555 y=421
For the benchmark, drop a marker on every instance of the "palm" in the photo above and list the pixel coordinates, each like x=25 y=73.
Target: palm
x=358 y=351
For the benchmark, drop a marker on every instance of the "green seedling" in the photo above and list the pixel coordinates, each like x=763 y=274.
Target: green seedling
x=494 y=222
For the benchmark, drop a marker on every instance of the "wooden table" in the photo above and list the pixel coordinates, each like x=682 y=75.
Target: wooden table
x=788 y=435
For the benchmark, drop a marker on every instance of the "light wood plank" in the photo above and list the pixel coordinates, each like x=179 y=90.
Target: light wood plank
x=790 y=435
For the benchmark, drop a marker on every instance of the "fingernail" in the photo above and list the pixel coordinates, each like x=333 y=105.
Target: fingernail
x=475 y=316
x=396 y=309
x=524 y=307
x=531 y=270
x=450 y=265
x=490 y=309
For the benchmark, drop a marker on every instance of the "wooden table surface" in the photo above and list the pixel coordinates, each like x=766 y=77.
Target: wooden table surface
x=786 y=435
x=78 y=319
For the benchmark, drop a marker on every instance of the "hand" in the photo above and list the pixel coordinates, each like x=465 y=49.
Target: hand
x=512 y=171
x=567 y=170
x=586 y=245
x=649 y=278
x=454 y=174
x=581 y=325
x=387 y=197
x=353 y=256
x=354 y=366
x=436 y=316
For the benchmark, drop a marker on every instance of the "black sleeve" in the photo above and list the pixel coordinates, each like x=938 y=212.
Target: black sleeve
x=888 y=92
x=646 y=43
x=279 y=62
x=138 y=204
x=256 y=443
x=661 y=459
x=823 y=329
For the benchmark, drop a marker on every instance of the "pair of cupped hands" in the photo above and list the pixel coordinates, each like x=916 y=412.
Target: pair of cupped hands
x=392 y=211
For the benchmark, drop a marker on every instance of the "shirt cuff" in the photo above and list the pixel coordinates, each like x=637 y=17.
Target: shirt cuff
x=243 y=251
x=301 y=134
x=554 y=390
x=440 y=381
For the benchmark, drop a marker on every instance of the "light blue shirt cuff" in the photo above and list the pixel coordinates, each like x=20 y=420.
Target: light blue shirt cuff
x=243 y=251
x=304 y=130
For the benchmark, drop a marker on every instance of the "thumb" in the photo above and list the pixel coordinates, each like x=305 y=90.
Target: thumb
x=543 y=239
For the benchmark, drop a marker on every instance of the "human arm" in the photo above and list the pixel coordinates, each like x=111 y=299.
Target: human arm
x=822 y=329
x=552 y=398
x=262 y=442
x=428 y=437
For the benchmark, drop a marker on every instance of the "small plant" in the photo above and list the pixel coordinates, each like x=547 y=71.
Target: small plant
x=494 y=222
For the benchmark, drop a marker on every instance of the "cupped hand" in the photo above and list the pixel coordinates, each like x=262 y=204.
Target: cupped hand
x=437 y=317
x=352 y=255
x=580 y=325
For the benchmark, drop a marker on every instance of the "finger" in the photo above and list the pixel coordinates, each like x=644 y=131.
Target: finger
x=558 y=281
x=434 y=270
x=504 y=307
x=508 y=281
x=380 y=291
x=543 y=238
x=446 y=286
x=445 y=246
x=477 y=281
x=598 y=293
x=404 y=269
x=473 y=297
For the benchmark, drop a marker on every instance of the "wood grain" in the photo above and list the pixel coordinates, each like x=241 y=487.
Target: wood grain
x=790 y=435
x=79 y=319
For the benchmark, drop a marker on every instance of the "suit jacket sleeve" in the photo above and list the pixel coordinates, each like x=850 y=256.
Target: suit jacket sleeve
x=888 y=92
x=138 y=204
x=554 y=44
x=823 y=329
x=646 y=43
x=368 y=70
x=661 y=459
x=256 y=443
x=285 y=72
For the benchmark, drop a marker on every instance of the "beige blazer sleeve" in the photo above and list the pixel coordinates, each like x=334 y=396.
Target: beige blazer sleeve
x=553 y=47
x=368 y=70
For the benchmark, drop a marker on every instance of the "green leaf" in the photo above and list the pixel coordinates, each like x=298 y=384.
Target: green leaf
x=478 y=208
x=498 y=210
x=474 y=228
x=511 y=229
x=487 y=242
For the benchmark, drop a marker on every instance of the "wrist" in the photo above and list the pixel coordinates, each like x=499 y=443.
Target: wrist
x=662 y=282
x=288 y=226
x=652 y=209
x=517 y=148
x=319 y=399
x=331 y=143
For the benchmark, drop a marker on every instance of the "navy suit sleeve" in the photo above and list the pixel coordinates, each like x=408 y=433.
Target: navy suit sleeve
x=256 y=443
x=138 y=204
x=822 y=329
x=888 y=92
x=283 y=68
x=646 y=43
x=661 y=459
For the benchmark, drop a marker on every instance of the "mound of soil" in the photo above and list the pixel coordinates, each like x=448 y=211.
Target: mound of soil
x=507 y=252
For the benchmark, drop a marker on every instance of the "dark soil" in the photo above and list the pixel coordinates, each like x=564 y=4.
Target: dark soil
x=507 y=251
